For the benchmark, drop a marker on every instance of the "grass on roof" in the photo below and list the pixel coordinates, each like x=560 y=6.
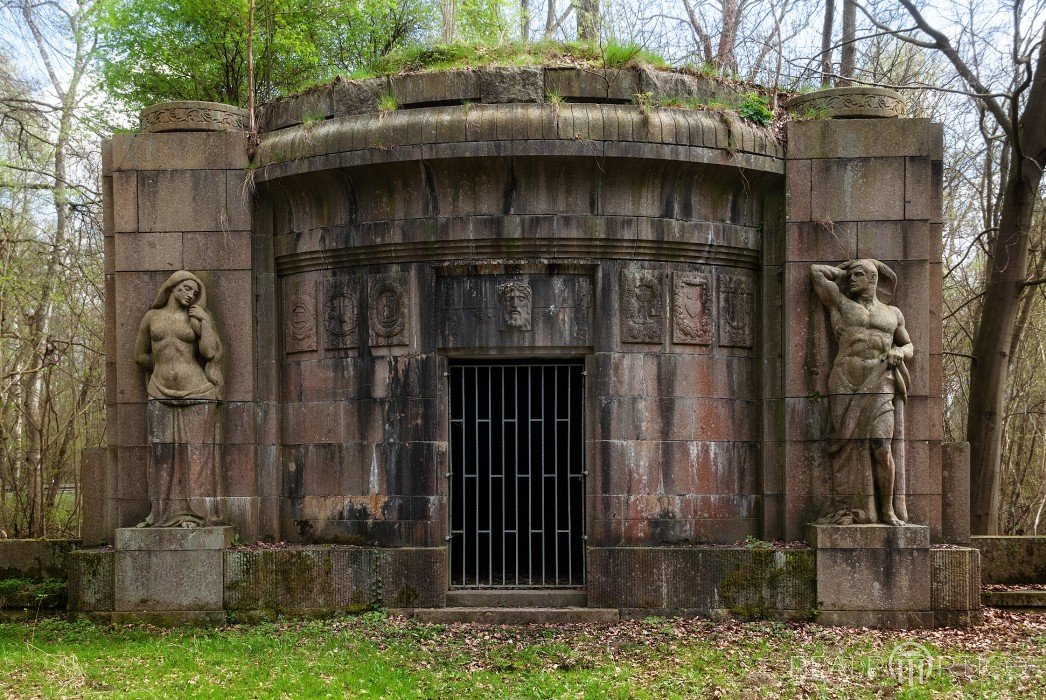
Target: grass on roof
x=543 y=53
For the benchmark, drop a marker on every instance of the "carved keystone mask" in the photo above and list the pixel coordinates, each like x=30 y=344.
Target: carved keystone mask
x=516 y=305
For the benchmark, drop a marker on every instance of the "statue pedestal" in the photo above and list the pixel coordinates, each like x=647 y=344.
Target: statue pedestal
x=873 y=575
x=170 y=575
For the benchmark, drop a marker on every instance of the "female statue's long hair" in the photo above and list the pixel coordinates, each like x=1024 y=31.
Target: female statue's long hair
x=212 y=367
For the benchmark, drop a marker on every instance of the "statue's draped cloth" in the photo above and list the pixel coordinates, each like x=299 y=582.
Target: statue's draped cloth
x=865 y=403
x=185 y=482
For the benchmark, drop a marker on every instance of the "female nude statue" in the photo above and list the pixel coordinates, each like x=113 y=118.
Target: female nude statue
x=177 y=341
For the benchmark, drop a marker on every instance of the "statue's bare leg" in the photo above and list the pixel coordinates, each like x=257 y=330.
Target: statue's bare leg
x=883 y=468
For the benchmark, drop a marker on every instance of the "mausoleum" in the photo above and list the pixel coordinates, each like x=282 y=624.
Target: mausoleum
x=491 y=355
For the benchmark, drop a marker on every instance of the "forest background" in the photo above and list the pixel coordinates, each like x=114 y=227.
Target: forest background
x=73 y=72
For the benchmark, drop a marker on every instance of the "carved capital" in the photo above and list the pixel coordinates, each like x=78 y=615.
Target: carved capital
x=849 y=103
x=192 y=116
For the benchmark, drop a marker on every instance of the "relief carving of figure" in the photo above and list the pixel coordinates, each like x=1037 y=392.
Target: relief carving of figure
x=516 y=300
x=179 y=345
x=867 y=388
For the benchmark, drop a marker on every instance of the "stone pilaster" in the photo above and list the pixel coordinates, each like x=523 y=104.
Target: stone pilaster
x=178 y=196
x=856 y=188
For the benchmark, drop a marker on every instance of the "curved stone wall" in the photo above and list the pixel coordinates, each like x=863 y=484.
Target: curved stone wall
x=589 y=204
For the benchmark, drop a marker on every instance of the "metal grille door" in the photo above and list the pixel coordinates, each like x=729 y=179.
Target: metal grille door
x=517 y=479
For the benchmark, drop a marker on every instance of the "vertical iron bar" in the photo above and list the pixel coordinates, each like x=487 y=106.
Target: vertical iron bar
x=544 y=526
x=515 y=471
x=490 y=476
x=570 y=479
x=555 y=465
x=475 y=464
x=530 y=476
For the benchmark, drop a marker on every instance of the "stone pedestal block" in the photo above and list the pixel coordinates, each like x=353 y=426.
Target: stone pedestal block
x=873 y=575
x=170 y=575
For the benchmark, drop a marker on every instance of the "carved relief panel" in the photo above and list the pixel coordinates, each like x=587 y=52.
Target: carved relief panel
x=692 y=308
x=736 y=311
x=341 y=310
x=642 y=306
x=388 y=312
x=299 y=316
x=514 y=310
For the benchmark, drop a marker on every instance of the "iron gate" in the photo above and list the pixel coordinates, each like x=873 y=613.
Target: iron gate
x=517 y=477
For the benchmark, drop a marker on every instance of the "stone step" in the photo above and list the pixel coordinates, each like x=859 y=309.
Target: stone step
x=1027 y=598
x=516 y=616
x=516 y=598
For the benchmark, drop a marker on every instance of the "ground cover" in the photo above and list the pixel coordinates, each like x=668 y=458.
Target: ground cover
x=375 y=655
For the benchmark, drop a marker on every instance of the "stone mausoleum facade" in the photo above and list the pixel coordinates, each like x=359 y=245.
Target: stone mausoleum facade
x=491 y=344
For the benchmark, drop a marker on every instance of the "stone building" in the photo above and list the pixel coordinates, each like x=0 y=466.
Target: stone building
x=484 y=345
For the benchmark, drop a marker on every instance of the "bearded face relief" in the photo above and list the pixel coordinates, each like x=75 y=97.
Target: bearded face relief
x=516 y=305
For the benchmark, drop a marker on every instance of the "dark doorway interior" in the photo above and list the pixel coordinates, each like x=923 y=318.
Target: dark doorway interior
x=517 y=479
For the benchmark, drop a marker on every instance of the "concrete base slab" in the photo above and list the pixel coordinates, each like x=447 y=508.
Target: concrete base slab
x=520 y=598
x=882 y=619
x=1029 y=599
x=515 y=616
x=171 y=618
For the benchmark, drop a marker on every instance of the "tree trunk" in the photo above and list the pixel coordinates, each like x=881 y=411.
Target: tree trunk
x=1005 y=273
x=587 y=12
x=848 y=49
x=725 y=59
x=826 y=43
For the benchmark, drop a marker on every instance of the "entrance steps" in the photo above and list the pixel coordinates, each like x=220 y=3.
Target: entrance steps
x=516 y=607
x=1017 y=599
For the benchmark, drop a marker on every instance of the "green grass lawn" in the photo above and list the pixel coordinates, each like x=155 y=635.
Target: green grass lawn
x=378 y=656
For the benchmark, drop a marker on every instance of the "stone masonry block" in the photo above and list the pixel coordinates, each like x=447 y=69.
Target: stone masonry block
x=216 y=250
x=866 y=570
x=173 y=538
x=857 y=189
x=179 y=151
x=863 y=138
x=822 y=241
x=797 y=189
x=148 y=251
x=181 y=200
x=168 y=580
x=125 y=202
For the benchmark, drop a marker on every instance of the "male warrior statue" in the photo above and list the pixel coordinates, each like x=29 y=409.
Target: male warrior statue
x=867 y=389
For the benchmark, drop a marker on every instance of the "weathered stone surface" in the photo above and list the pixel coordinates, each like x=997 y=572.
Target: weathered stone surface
x=955 y=586
x=162 y=197
x=178 y=151
x=873 y=575
x=159 y=570
x=133 y=539
x=333 y=578
x=714 y=582
x=868 y=536
x=872 y=189
x=501 y=85
x=1012 y=559
x=35 y=559
x=849 y=102
x=91 y=580
x=955 y=478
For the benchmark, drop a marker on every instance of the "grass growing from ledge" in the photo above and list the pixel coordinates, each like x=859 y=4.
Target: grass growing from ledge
x=376 y=656
x=543 y=53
